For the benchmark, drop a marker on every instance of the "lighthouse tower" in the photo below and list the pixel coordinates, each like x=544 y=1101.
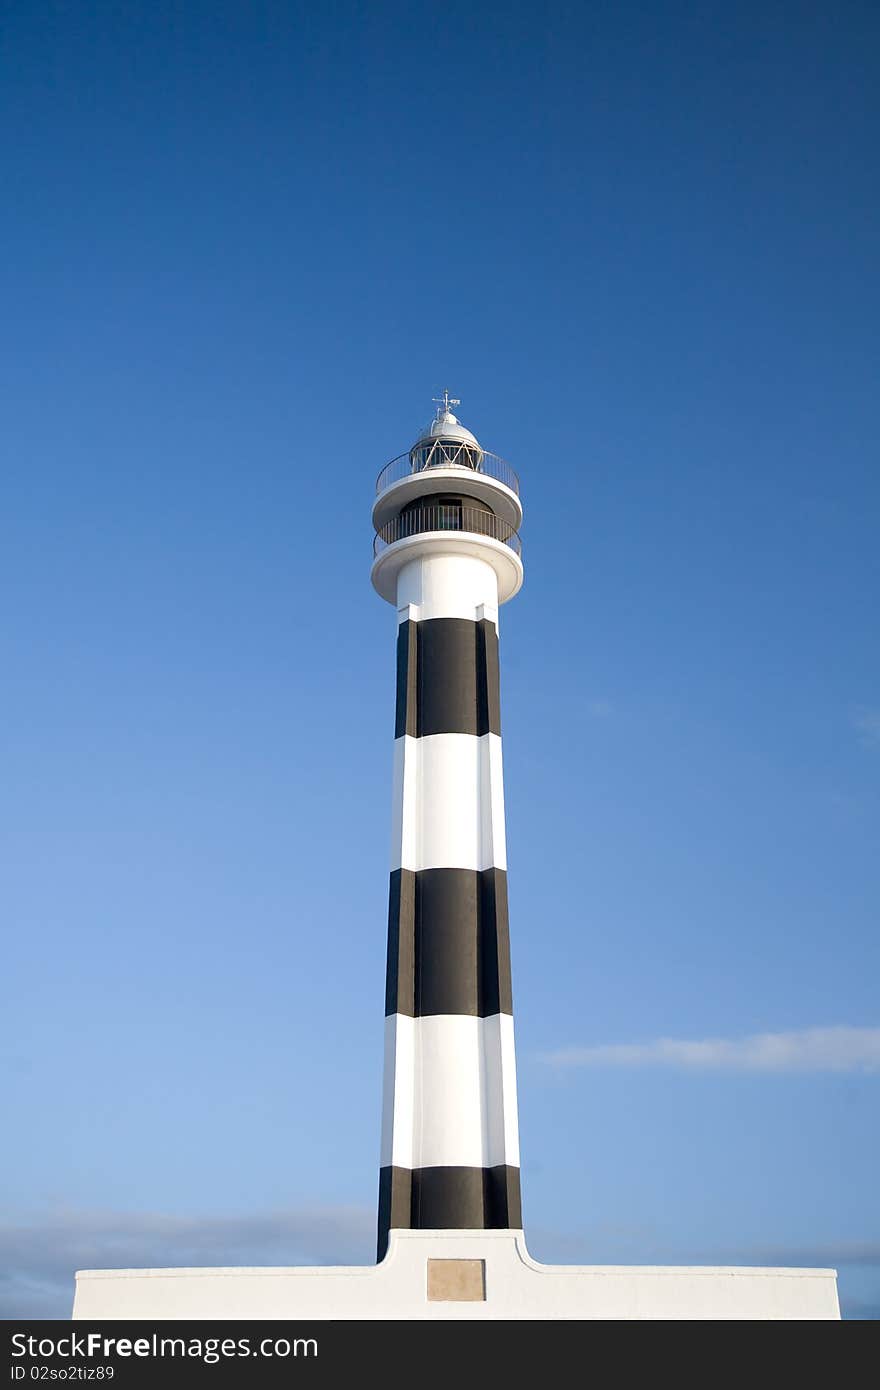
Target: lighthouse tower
x=447 y=555
x=451 y=1245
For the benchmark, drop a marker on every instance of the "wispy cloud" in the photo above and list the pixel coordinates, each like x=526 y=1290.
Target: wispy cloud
x=860 y=1253
x=866 y=722
x=603 y=1242
x=38 y=1260
x=840 y=1049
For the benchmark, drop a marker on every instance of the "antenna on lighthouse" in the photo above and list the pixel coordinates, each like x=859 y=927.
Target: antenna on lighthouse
x=445 y=401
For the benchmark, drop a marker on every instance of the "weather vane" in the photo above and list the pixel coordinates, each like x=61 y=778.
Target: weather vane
x=446 y=401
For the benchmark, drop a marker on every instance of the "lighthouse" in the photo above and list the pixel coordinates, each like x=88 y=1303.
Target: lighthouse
x=447 y=555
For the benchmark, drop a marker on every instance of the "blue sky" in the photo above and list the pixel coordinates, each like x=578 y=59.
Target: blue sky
x=244 y=245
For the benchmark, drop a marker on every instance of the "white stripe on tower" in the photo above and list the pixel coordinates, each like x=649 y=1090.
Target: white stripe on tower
x=459 y=821
x=450 y=1151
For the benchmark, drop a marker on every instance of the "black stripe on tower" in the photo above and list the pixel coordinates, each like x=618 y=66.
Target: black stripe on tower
x=447 y=678
x=448 y=943
x=448 y=1199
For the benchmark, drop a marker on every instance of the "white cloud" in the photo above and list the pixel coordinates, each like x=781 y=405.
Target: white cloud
x=866 y=722
x=840 y=1049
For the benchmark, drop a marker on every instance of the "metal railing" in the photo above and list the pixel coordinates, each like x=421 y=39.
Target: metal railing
x=447 y=454
x=446 y=516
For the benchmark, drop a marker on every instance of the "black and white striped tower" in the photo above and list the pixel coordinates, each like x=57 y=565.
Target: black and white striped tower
x=447 y=553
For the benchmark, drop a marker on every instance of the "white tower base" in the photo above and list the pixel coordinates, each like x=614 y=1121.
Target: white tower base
x=458 y=1274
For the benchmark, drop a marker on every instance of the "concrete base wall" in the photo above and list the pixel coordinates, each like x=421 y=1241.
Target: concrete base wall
x=490 y=1275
